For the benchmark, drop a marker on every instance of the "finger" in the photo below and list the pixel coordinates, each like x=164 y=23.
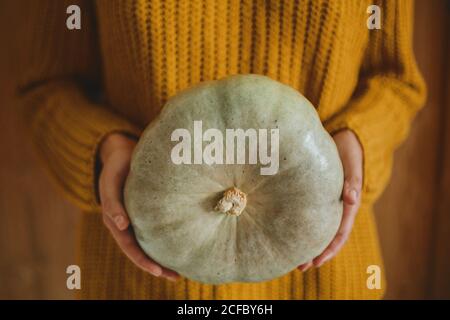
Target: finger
x=305 y=266
x=169 y=274
x=129 y=246
x=351 y=157
x=348 y=218
x=127 y=242
x=111 y=184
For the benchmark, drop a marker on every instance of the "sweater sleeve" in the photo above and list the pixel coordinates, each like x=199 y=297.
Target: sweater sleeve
x=390 y=92
x=60 y=68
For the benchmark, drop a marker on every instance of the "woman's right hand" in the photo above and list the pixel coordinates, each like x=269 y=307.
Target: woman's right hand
x=115 y=156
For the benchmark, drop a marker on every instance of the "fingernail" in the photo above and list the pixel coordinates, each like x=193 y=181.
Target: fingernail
x=120 y=222
x=172 y=278
x=156 y=272
x=305 y=267
x=322 y=262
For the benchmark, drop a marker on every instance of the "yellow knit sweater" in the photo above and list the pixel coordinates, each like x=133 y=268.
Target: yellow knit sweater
x=140 y=53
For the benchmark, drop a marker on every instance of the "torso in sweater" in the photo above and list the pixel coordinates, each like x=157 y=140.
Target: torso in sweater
x=153 y=49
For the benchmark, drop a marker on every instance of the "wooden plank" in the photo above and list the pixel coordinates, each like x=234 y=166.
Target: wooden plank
x=440 y=251
x=37 y=229
x=405 y=211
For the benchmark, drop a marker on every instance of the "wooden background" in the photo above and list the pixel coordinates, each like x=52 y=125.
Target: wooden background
x=37 y=227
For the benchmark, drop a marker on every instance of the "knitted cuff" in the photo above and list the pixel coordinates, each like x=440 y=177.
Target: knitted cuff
x=67 y=130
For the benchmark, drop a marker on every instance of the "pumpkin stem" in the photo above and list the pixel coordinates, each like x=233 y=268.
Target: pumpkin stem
x=233 y=202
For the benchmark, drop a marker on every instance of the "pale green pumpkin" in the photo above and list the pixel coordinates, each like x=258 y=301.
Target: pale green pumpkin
x=218 y=223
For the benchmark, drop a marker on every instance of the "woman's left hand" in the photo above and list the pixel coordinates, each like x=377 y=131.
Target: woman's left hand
x=351 y=155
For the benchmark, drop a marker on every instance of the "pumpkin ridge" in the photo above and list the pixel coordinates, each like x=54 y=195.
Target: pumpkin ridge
x=267 y=232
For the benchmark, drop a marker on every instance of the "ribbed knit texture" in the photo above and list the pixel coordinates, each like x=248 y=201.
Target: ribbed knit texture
x=140 y=53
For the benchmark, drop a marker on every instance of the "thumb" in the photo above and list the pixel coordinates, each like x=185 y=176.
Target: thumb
x=351 y=155
x=353 y=176
x=111 y=183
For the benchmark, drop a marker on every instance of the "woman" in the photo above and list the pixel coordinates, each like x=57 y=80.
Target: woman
x=364 y=83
